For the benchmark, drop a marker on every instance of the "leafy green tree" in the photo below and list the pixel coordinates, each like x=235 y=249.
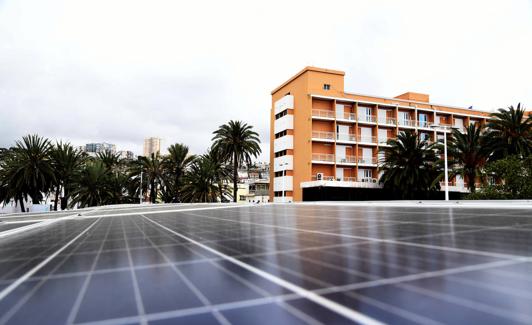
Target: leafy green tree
x=468 y=153
x=510 y=132
x=409 y=165
x=92 y=187
x=110 y=160
x=513 y=179
x=175 y=164
x=153 y=170
x=66 y=163
x=237 y=142
x=221 y=170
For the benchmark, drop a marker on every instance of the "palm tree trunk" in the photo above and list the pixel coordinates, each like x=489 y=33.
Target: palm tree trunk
x=235 y=177
x=56 y=196
x=471 y=182
x=22 y=208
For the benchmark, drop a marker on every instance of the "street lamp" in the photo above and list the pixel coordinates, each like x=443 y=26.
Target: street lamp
x=445 y=129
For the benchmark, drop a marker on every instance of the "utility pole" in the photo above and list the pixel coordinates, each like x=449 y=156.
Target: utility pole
x=140 y=198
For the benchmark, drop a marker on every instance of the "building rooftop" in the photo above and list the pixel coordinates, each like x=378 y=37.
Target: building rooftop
x=369 y=263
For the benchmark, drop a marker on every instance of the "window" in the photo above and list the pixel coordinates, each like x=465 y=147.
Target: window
x=280 y=174
x=242 y=197
x=326 y=86
x=280 y=134
x=278 y=193
x=279 y=115
x=280 y=153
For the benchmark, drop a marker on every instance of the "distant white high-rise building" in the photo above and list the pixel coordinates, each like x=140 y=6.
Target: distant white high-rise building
x=152 y=145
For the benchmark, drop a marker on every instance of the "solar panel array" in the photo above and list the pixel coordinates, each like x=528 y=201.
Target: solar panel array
x=270 y=264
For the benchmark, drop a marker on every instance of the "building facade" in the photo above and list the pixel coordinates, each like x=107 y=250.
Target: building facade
x=322 y=136
x=100 y=147
x=126 y=154
x=152 y=146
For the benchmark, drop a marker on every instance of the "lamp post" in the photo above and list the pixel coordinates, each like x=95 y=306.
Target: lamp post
x=445 y=129
x=140 y=196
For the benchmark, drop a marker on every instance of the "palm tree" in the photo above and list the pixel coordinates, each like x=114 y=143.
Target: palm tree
x=201 y=183
x=92 y=188
x=9 y=189
x=510 y=132
x=409 y=165
x=66 y=163
x=237 y=142
x=176 y=164
x=110 y=160
x=152 y=168
x=221 y=170
x=29 y=170
x=468 y=153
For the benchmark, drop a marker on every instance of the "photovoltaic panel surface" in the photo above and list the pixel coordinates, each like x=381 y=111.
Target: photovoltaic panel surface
x=271 y=264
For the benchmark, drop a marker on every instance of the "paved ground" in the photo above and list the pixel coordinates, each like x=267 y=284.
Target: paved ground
x=268 y=264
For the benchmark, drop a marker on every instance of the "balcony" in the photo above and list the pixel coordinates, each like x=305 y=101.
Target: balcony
x=424 y=124
x=367 y=161
x=324 y=178
x=367 y=139
x=387 y=121
x=330 y=181
x=346 y=137
x=323 y=135
x=383 y=141
x=346 y=160
x=407 y=123
x=367 y=119
x=323 y=158
x=322 y=113
x=347 y=116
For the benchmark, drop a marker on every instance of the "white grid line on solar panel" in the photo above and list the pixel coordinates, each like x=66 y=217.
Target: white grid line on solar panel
x=163 y=211
x=77 y=302
x=257 y=289
x=464 y=301
x=138 y=299
x=28 y=274
x=103 y=209
x=333 y=306
x=205 y=301
x=14 y=309
x=369 y=238
x=513 y=204
x=48 y=247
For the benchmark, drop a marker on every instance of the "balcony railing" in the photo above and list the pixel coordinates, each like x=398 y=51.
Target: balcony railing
x=324 y=178
x=411 y=123
x=323 y=113
x=383 y=140
x=323 y=157
x=367 y=160
x=346 y=160
x=323 y=135
x=346 y=137
x=365 y=180
x=423 y=124
x=366 y=118
x=367 y=139
x=387 y=120
x=347 y=116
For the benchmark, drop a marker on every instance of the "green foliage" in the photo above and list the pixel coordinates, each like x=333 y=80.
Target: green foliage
x=237 y=142
x=513 y=177
x=510 y=132
x=409 y=165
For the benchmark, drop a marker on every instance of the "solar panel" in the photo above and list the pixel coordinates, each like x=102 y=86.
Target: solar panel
x=270 y=264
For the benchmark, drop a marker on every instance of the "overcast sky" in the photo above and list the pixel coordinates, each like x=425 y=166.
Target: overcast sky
x=120 y=71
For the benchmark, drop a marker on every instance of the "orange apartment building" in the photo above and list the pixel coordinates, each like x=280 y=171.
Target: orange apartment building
x=324 y=137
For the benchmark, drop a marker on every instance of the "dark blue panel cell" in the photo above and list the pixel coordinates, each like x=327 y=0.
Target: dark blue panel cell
x=262 y=314
x=162 y=290
x=200 y=319
x=109 y=295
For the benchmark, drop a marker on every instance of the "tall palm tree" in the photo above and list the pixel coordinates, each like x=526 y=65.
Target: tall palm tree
x=409 y=165
x=110 y=160
x=237 y=142
x=510 y=132
x=66 y=163
x=176 y=164
x=468 y=153
x=30 y=170
x=9 y=189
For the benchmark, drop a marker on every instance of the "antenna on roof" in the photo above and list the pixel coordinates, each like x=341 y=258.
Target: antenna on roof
x=470 y=107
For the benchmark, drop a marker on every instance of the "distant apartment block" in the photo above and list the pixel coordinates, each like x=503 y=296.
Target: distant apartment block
x=324 y=137
x=152 y=146
x=126 y=154
x=100 y=147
